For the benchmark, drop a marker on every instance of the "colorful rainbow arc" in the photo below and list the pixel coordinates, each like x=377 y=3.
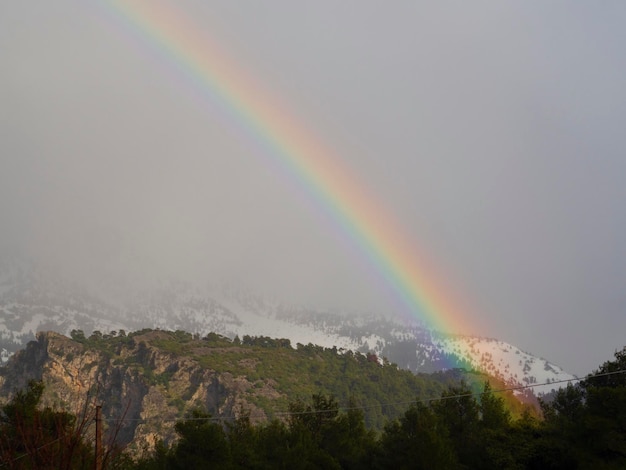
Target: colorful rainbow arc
x=313 y=166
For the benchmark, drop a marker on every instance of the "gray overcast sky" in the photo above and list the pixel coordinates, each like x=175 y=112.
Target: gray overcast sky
x=494 y=131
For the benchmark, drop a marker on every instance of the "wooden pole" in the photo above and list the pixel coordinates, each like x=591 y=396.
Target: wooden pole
x=98 y=461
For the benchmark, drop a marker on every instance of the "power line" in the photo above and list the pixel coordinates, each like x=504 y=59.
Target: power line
x=367 y=407
x=462 y=395
x=312 y=412
x=32 y=452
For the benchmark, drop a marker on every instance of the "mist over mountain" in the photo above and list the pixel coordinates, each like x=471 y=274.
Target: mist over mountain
x=32 y=300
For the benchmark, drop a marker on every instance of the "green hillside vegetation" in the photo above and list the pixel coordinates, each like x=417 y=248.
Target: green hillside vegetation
x=281 y=374
x=151 y=378
x=583 y=428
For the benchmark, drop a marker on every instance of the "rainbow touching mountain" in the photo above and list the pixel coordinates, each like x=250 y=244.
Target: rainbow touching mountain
x=287 y=143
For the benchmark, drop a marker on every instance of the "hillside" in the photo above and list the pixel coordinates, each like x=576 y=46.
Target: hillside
x=151 y=378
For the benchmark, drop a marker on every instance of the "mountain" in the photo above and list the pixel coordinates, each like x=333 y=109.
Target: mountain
x=147 y=380
x=32 y=300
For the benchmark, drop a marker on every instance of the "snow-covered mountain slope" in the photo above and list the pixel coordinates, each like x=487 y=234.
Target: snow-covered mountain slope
x=31 y=301
x=504 y=361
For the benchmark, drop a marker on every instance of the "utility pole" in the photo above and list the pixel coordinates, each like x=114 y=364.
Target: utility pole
x=98 y=419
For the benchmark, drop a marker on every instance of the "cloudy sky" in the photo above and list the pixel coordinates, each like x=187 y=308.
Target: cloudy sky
x=492 y=131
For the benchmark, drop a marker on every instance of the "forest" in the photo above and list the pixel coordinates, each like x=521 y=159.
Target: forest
x=583 y=427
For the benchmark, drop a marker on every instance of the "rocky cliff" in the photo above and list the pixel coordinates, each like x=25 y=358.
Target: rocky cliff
x=143 y=388
x=147 y=380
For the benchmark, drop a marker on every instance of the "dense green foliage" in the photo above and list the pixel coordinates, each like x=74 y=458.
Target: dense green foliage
x=35 y=437
x=293 y=373
x=583 y=427
x=589 y=420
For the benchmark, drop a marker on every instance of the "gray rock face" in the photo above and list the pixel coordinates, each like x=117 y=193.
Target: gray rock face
x=142 y=389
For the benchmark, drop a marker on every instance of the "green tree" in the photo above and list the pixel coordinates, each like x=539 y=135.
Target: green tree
x=494 y=435
x=34 y=437
x=494 y=415
x=311 y=431
x=202 y=444
x=585 y=424
x=604 y=419
x=459 y=412
x=78 y=335
x=349 y=441
x=313 y=417
x=275 y=447
x=243 y=439
x=419 y=440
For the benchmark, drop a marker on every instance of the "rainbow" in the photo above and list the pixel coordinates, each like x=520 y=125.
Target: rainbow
x=298 y=152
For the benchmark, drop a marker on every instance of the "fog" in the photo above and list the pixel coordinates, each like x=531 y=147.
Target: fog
x=493 y=132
